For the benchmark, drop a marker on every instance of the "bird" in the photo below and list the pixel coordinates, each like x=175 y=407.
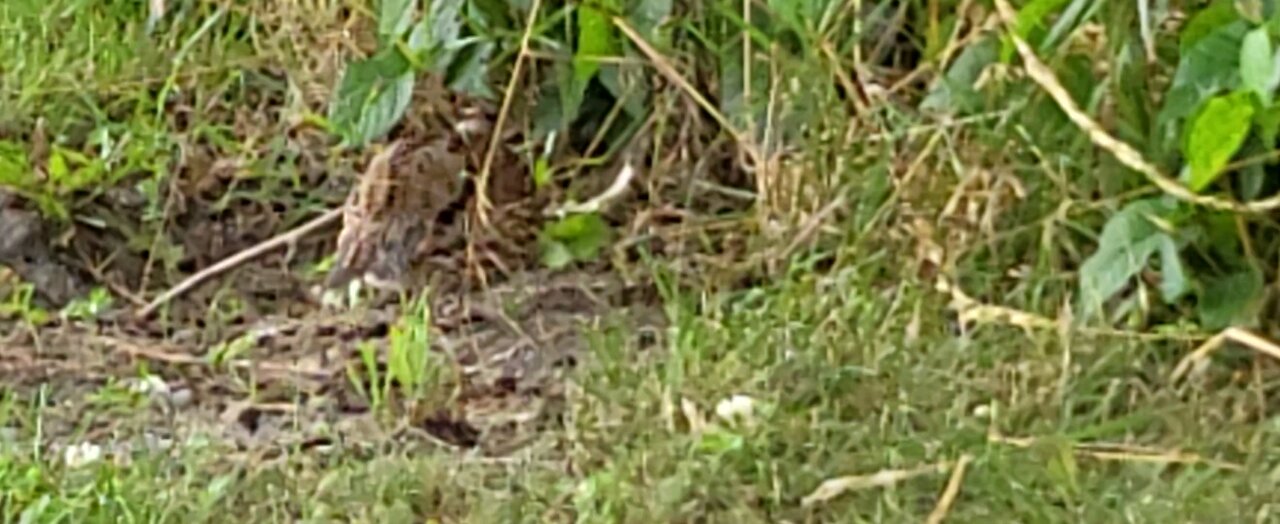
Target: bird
x=389 y=216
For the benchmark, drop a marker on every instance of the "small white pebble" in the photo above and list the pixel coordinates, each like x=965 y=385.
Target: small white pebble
x=83 y=454
x=180 y=398
x=150 y=385
x=738 y=408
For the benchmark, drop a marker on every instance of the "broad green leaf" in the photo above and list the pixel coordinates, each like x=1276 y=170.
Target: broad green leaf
x=1213 y=61
x=1215 y=135
x=372 y=96
x=1218 y=14
x=1258 y=64
x=627 y=85
x=1230 y=300
x=445 y=17
x=596 y=39
x=1126 y=245
x=385 y=109
x=468 y=71
x=1221 y=240
x=547 y=113
x=394 y=18
x=1207 y=66
x=435 y=38
x=579 y=237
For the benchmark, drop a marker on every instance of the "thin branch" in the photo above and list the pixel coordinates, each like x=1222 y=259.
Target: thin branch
x=482 y=180
x=664 y=66
x=594 y=205
x=281 y=240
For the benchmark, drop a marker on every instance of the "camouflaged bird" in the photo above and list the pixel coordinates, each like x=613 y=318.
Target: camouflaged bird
x=390 y=217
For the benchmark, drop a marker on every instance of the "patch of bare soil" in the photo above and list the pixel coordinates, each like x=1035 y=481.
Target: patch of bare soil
x=283 y=382
x=283 y=370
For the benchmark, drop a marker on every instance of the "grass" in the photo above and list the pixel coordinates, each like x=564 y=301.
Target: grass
x=838 y=391
x=851 y=360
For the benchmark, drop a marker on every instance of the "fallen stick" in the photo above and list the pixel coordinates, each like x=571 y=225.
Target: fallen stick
x=242 y=257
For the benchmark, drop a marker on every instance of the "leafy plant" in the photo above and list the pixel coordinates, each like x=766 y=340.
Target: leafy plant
x=1221 y=103
x=575 y=238
x=20 y=304
x=374 y=92
x=88 y=308
x=414 y=374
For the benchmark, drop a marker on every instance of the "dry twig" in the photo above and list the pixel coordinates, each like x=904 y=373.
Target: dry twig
x=949 y=495
x=240 y=258
x=1233 y=334
x=832 y=488
x=664 y=66
x=1123 y=452
x=482 y=180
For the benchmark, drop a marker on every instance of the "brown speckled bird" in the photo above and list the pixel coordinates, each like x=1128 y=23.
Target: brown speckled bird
x=391 y=212
x=390 y=216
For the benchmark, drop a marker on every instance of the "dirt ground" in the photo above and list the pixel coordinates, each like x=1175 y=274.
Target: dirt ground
x=260 y=358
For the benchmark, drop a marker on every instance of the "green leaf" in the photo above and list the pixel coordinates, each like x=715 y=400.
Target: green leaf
x=435 y=39
x=1257 y=64
x=1230 y=300
x=1218 y=14
x=1061 y=465
x=596 y=39
x=468 y=72
x=394 y=18
x=575 y=237
x=554 y=255
x=541 y=173
x=372 y=96
x=548 y=113
x=56 y=168
x=1212 y=62
x=1215 y=135
x=1126 y=245
x=1207 y=66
